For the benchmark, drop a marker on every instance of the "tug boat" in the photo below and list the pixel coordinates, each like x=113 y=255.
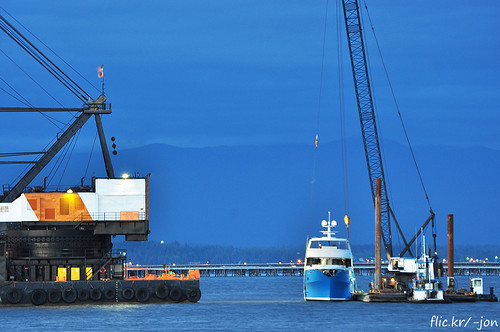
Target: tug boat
x=424 y=286
x=328 y=270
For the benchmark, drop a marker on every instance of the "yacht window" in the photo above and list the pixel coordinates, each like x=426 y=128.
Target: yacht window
x=320 y=244
x=313 y=261
x=337 y=261
x=341 y=261
x=347 y=262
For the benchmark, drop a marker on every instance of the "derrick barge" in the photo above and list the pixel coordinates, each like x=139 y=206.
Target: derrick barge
x=55 y=244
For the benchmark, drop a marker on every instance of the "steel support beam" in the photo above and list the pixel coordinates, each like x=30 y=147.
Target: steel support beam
x=104 y=147
x=52 y=109
x=39 y=109
x=378 y=231
x=431 y=217
x=400 y=232
x=52 y=151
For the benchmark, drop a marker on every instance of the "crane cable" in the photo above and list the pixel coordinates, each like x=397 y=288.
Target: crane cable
x=57 y=55
x=43 y=60
x=31 y=78
x=58 y=162
x=397 y=108
x=10 y=94
x=26 y=102
x=345 y=179
x=74 y=141
x=90 y=156
x=386 y=177
x=53 y=69
x=318 y=118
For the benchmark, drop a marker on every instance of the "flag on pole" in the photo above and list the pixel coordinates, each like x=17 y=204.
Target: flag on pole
x=100 y=71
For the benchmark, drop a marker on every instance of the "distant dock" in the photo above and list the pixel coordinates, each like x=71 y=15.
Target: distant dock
x=296 y=269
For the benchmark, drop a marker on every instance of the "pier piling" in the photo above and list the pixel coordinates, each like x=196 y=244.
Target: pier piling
x=378 y=230
x=451 y=258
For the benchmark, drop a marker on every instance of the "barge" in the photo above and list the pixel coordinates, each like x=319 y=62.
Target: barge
x=56 y=248
x=55 y=243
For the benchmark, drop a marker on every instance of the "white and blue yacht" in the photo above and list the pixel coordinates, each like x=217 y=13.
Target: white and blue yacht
x=328 y=270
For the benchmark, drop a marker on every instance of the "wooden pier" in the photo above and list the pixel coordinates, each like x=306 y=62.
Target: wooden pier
x=296 y=269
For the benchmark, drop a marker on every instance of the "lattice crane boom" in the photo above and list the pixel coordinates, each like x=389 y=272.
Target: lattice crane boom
x=367 y=116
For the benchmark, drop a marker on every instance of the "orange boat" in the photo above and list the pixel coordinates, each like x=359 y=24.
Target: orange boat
x=155 y=273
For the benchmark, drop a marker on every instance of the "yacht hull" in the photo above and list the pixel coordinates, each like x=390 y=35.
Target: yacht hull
x=327 y=285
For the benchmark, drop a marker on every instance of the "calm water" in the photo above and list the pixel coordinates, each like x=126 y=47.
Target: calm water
x=255 y=304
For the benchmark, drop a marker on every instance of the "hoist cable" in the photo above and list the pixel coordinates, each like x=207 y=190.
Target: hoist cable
x=43 y=60
x=90 y=156
x=73 y=142
x=57 y=55
x=318 y=120
x=345 y=178
x=397 y=108
x=31 y=78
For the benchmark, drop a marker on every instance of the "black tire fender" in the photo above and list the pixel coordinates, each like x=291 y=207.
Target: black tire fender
x=69 y=295
x=38 y=296
x=193 y=295
x=109 y=294
x=83 y=294
x=14 y=295
x=161 y=292
x=142 y=294
x=127 y=294
x=54 y=295
x=176 y=294
x=95 y=294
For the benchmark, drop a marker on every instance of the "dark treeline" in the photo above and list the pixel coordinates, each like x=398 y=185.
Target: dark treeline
x=155 y=253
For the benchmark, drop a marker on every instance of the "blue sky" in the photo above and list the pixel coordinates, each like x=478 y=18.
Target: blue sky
x=194 y=73
x=197 y=73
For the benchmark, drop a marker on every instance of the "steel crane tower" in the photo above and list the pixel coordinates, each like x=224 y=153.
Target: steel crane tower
x=367 y=119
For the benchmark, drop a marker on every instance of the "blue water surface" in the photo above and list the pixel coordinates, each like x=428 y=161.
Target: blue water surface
x=256 y=304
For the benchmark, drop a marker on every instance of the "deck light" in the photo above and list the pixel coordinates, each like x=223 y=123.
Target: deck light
x=69 y=191
x=125 y=176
